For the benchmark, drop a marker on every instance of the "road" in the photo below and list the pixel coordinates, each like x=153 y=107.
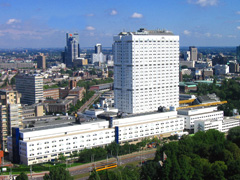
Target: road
x=89 y=102
x=86 y=168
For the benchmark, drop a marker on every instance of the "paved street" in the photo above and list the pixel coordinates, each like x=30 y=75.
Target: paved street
x=89 y=102
x=137 y=156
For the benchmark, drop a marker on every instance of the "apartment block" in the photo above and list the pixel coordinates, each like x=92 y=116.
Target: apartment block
x=10 y=115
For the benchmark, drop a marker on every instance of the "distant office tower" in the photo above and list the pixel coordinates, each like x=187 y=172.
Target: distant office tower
x=41 y=61
x=193 y=53
x=187 y=56
x=72 y=50
x=10 y=114
x=219 y=59
x=233 y=67
x=31 y=88
x=98 y=48
x=238 y=53
x=146 y=70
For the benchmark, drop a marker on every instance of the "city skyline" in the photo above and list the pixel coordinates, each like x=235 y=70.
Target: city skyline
x=44 y=24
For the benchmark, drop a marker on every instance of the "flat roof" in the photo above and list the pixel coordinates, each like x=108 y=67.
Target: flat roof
x=195 y=108
x=52 y=124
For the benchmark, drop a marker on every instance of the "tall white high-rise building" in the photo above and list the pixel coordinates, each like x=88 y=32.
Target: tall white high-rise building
x=146 y=70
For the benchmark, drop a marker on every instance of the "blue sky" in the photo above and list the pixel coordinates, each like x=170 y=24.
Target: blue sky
x=43 y=23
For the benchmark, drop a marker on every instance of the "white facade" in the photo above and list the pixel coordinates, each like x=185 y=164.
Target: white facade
x=186 y=71
x=222 y=126
x=44 y=144
x=146 y=70
x=187 y=55
x=202 y=113
x=100 y=57
x=221 y=69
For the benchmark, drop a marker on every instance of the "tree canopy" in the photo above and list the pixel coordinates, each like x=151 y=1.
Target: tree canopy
x=58 y=173
x=234 y=135
x=204 y=156
x=229 y=91
x=22 y=176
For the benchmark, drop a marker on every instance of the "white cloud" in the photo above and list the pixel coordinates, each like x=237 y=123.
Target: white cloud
x=238 y=12
x=90 y=28
x=136 y=15
x=232 y=36
x=186 y=32
x=207 y=34
x=90 y=15
x=218 y=35
x=238 y=27
x=11 y=21
x=204 y=3
x=113 y=12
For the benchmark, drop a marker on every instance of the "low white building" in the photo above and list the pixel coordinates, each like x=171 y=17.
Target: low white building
x=222 y=126
x=186 y=71
x=191 y=115
x=45 y=143
x=221 y=69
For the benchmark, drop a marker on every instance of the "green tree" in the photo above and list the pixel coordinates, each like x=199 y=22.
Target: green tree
x=94 y=176
x=22 y=176
x=234 y=135
x=58 y=173
x=150 y=170
x=13 y=81
x=62 y=157
x=184 y=67
x=186 y=168
x=218 y=170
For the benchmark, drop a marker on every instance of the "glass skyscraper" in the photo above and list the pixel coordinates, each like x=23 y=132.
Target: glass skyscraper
x=72 y=50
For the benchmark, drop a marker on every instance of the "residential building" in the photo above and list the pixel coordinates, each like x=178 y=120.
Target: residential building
x=10 y=115
x=61 y=106
x=193 y=53
x=31 y=88
x=101 y=87
x=41 y=61
x=207 y=73
x=77 y=91
x=52 y=93
x=34 y=110
x=146 y=70
x=72 y=84
x=63 y=92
